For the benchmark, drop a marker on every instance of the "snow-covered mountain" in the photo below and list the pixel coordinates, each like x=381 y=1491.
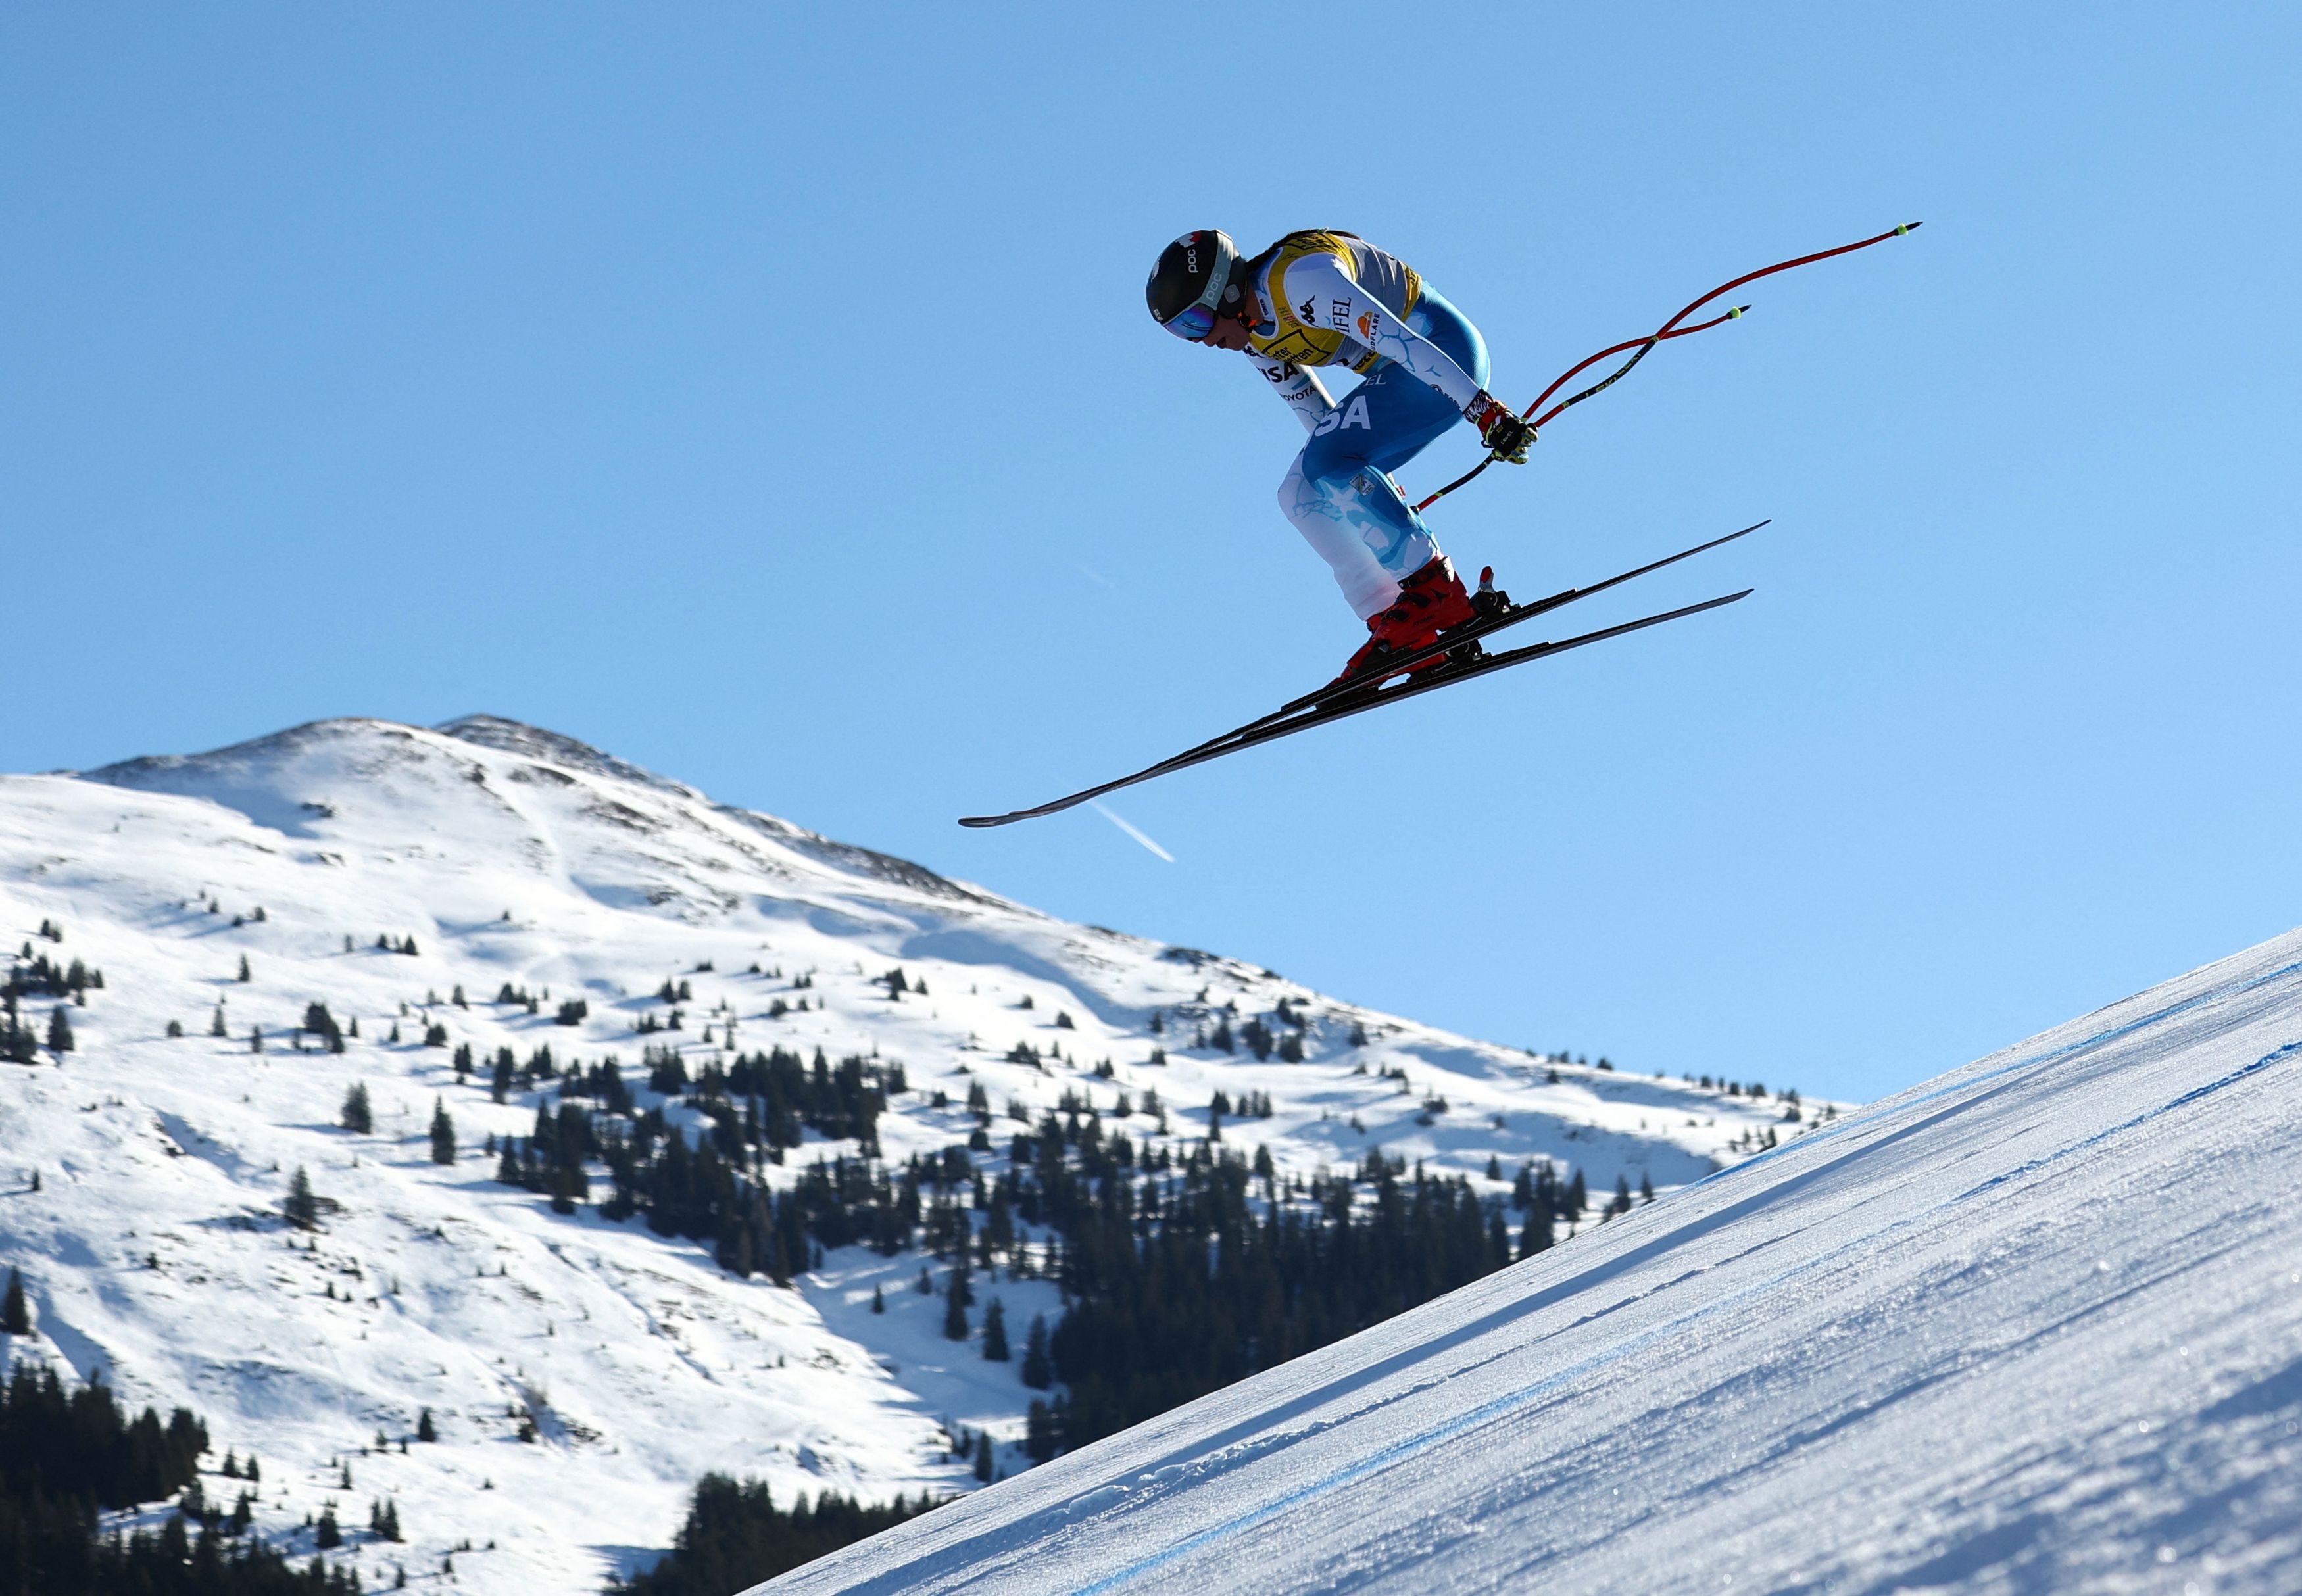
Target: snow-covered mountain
x=405 y=879
x=2033 y=1326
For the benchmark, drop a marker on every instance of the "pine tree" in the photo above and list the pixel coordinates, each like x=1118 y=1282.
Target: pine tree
x=357 y=1117
x=954 y=1314
x=15 y=1317
x=330 y=1534
x=217 y=1025
x=878 y=1303
x=1646 y=1188
x=1038 y=1368
x=59 y=1032
x=1039 y=1438
x=322 y=1025
x=301 y=1208
x=426 y=1430
x=569 y=1187
x=983 y=1457
x=443 y=1134
x=994 y=1333
x=1536 y=1235
x=244 y=975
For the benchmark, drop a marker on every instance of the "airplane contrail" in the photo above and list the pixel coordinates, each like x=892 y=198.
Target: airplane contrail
x=1132 y=832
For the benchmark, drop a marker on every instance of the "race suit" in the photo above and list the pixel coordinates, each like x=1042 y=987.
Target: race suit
x=1329 y=299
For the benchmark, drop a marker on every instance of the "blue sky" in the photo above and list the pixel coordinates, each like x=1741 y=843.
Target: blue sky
x=765 y=394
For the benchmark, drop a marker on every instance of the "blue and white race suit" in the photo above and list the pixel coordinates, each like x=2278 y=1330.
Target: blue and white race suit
x=1329 y=299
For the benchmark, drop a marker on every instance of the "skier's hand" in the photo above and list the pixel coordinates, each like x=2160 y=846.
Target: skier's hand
x=1503 y=430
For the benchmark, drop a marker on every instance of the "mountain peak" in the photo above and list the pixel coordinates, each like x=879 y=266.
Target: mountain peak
x=507 y=735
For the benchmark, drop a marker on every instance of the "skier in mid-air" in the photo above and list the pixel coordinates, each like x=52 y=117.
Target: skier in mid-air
x=1322 y=298
x=1331 y=299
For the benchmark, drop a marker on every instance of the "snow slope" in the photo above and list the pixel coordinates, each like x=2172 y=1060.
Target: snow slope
x=2035 y=1325
x=154 y=1247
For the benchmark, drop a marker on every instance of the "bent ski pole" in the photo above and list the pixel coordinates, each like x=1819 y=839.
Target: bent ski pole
x=1669 y=329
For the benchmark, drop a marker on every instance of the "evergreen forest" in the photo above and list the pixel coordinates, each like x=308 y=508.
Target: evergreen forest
x=1186 y=1265
x=735 y=1536
x=67 y=1457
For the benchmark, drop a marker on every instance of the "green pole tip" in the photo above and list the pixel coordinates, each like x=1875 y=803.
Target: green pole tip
x=1907 y=228
x=1735 y=314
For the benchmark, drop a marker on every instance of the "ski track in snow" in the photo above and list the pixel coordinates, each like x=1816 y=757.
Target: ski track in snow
x=155 y=1250
x=2035 y=1326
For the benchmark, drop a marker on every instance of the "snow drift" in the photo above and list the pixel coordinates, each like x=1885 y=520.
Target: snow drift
x=2035 y=1325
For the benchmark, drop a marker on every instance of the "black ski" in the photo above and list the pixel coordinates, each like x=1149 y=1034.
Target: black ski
x=1270 y=728
x=1460 y=637
x=1488 y=625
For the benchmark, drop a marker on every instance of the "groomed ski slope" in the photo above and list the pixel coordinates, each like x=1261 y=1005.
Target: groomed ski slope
x=2035 y=1325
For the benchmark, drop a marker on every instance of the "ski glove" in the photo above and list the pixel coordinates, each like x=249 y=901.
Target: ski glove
x=1504 y=432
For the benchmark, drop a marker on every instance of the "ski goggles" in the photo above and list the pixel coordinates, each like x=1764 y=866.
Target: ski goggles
x=1194 y=322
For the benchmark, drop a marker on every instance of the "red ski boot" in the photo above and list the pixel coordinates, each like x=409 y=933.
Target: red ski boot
x=1430 y=602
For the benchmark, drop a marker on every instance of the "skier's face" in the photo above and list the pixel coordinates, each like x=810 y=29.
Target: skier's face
x=1228 y=332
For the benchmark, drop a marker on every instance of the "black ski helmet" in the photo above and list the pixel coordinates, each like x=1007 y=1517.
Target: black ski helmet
x=1192 y=280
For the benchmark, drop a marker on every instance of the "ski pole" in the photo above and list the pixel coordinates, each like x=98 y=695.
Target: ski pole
x=1669 y=329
